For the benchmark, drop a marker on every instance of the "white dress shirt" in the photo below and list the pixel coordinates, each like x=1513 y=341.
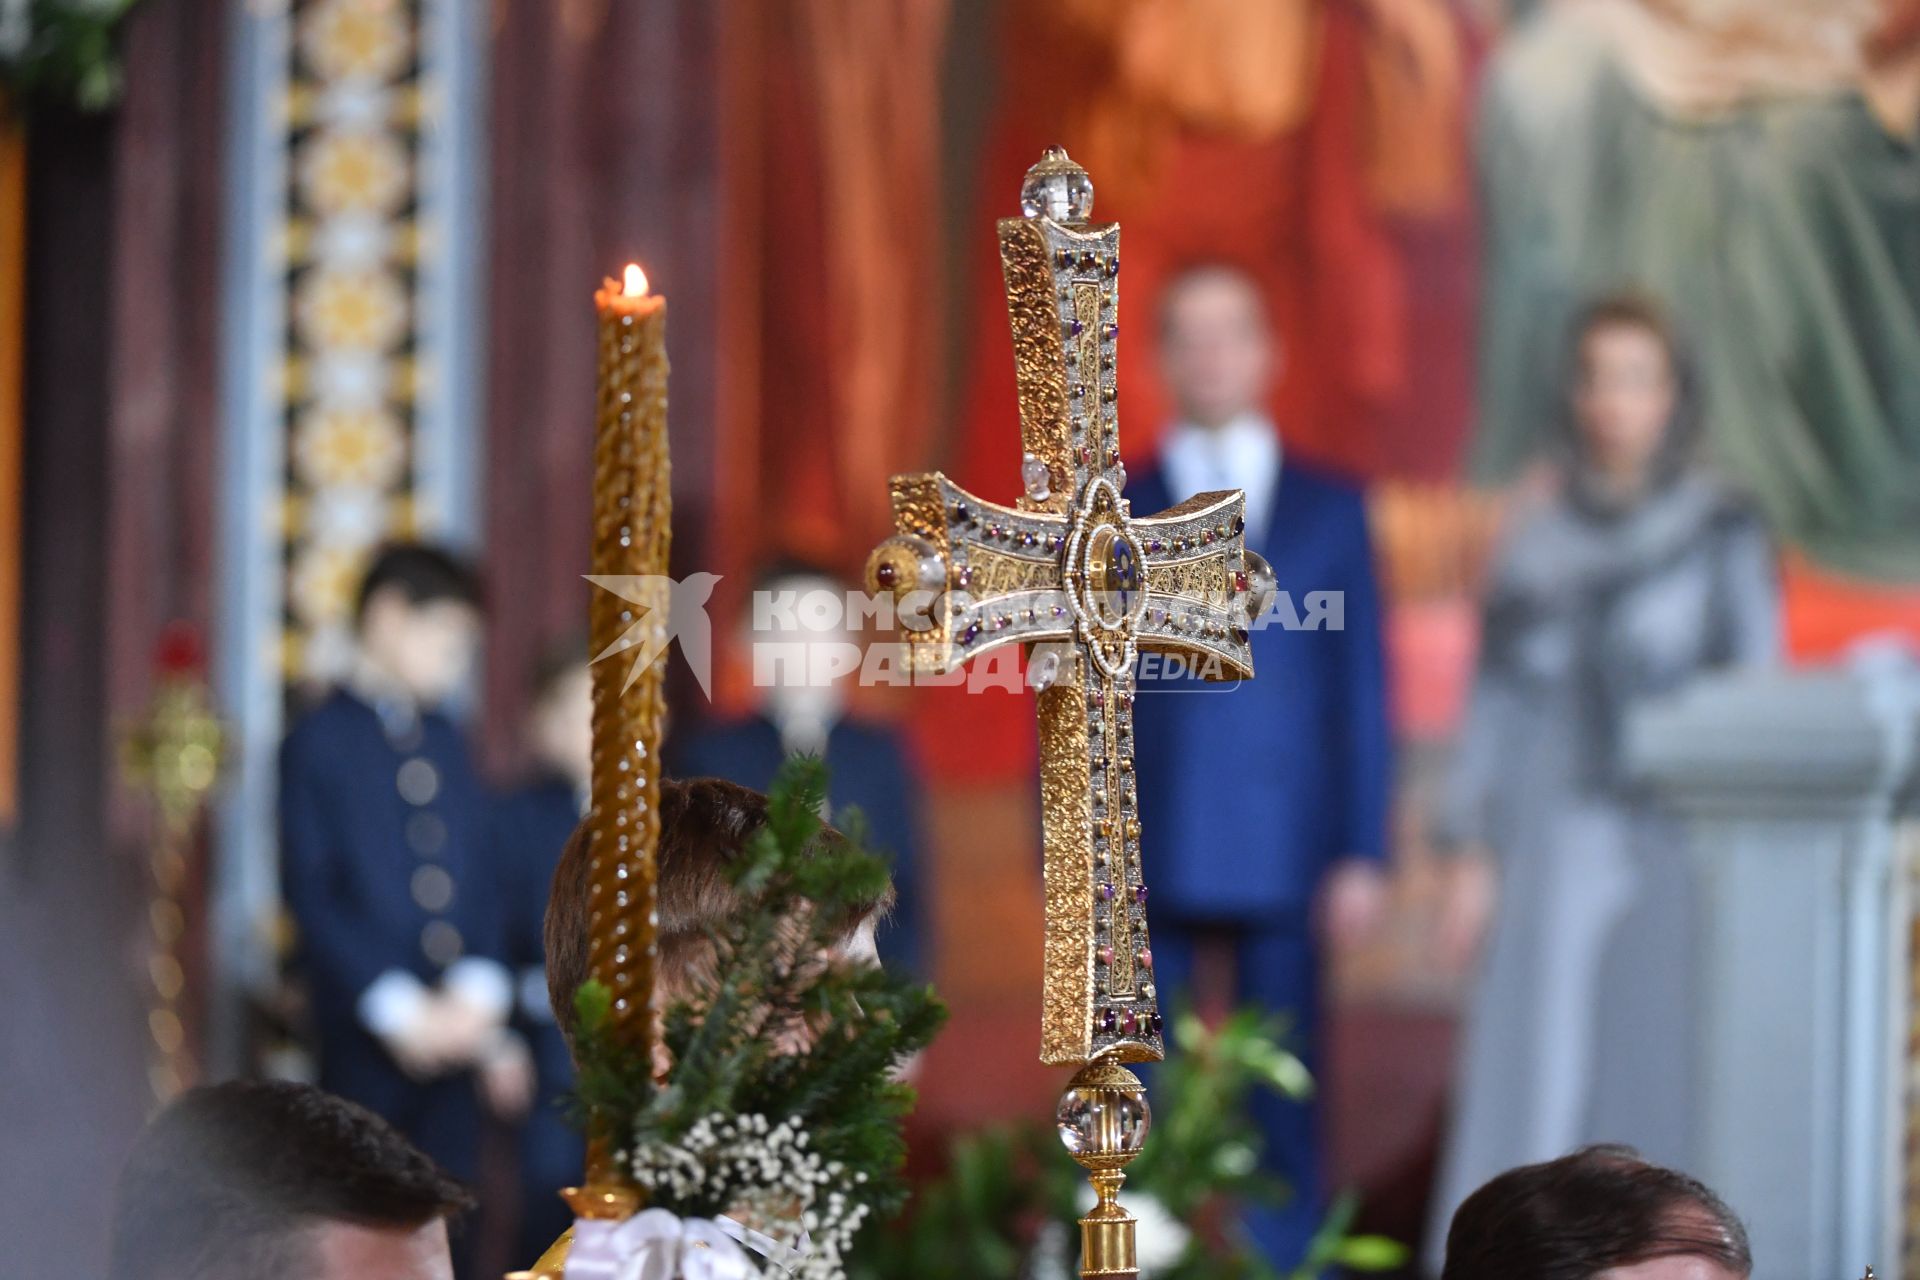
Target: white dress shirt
x=1242 y=454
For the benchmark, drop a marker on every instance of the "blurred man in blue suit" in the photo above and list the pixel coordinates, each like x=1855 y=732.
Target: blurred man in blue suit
x=1265 y=803
x=382 y=830
x=798 y=630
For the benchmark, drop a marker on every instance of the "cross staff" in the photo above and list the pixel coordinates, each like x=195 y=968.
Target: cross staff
x=1071 y=571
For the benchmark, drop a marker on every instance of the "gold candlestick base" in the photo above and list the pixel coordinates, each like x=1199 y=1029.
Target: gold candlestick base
x=1107 y=1233
x=606 y=1197
x=1103 y=1120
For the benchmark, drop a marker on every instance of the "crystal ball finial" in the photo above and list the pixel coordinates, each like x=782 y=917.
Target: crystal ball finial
x=1057 y=188
x=1103 y=1117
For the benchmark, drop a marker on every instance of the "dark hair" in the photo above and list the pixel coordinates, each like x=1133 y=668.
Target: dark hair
x=1199 y=269
x=222 y=1183
x=704 y=823
x=422 y=573
x=1586 y=1213
x=1627 y=309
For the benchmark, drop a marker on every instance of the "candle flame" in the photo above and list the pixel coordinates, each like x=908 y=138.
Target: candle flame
x=634 y=285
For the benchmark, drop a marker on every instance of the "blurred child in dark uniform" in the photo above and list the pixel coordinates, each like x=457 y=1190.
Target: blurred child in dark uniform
x=382 y=830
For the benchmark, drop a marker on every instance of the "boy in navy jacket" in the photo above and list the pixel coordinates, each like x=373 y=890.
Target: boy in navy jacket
x=382 y=823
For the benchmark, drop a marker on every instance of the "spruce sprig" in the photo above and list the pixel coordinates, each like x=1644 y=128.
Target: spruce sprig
x=785 y=1030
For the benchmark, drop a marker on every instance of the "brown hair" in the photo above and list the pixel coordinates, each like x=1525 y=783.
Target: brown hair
x=224 y=1183
x=1199 y=269
x=1634 y=309
x=704 y=822
x=1587 y=1213
x=1629 y=309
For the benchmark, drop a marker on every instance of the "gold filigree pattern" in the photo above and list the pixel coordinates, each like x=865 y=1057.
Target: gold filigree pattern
x=1038 y=351
x=996 y=574
x=1200 y=581
x=1066 y=812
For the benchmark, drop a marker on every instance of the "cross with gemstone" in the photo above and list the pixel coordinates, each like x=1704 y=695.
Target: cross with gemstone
x=1069 y=572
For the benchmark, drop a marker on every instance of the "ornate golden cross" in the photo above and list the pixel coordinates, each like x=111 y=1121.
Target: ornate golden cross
x=1070 y=571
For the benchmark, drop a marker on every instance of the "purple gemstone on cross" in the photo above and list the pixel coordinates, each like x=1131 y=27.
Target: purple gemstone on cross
x=1140 y=895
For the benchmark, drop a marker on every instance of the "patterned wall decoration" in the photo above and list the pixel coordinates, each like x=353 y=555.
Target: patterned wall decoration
x=353 y=242
x=349 y=349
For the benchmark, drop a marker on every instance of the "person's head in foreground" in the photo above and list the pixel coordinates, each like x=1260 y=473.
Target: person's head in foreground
x=1602 y=1213
x=252 y=1179
x=704 y=825
x=1219 y=355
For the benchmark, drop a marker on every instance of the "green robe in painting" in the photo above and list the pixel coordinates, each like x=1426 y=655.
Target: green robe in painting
x=1786 y=237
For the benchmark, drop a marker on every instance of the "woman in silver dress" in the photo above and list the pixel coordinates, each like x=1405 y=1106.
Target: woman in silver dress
x=1632 y=576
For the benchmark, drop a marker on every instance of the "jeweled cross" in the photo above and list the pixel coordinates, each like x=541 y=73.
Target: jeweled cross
x=1070 y=570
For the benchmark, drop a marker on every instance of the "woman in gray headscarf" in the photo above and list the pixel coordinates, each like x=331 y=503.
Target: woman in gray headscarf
x=1635 y=575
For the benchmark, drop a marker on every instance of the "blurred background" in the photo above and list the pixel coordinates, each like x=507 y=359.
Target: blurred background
x=284 y=280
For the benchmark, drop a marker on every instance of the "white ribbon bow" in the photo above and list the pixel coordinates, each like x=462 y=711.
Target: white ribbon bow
x=655 y=1245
